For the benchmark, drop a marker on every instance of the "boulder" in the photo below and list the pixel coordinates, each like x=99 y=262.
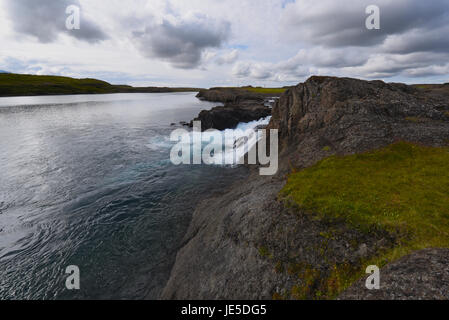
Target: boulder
x=229 y=116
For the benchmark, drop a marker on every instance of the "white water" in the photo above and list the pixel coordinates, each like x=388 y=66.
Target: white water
x=229 y=145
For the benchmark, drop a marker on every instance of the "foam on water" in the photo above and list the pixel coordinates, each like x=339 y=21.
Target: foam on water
x=229 y=146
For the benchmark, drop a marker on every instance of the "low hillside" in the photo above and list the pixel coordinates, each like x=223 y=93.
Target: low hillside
x=31 y=85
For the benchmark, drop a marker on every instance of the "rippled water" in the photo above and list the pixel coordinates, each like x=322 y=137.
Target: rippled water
x=87 y=181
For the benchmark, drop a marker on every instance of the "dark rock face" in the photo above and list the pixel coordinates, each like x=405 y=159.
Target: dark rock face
x=239 y=106
x=221 y=256
x=221 y=259
x=229 y=116
x=423 y=275
x=350 y=115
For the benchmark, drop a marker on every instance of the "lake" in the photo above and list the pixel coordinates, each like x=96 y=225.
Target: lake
x=86 y=180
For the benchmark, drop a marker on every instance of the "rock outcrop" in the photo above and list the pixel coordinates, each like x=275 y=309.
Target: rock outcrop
x=239 y=106
x=231 y=95
x=230 y=115
x=240 y=245
x=423 y=275
x=350 y=116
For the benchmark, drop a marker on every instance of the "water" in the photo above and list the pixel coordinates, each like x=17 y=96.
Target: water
x=87 y=181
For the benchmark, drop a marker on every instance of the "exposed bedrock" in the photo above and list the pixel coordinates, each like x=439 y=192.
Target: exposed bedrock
x=229 y=116
x=240 y=245
x=231 y=95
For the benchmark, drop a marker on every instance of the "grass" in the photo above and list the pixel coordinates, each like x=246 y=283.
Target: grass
x=402 y=189
x=274 y=91
x=28 y=85
x=415 y=119
x=264 y=252
x=261 y=90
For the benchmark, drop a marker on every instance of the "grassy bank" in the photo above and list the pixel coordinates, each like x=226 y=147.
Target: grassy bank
x=402 y=189
x=273 y=91
x=30 y=85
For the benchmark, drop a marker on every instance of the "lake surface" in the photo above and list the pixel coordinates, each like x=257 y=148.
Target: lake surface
x=86 y=180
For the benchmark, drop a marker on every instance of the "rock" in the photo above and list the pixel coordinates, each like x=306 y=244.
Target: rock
x=350 y=115
x=229 y=116
x=221 y=254
x=363 y=250
x=230 y=95
x=423 y=275
x=184 y=123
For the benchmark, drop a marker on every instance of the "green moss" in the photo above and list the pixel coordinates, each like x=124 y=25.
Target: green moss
x=327 y=148
x=402 y=189
x=264 y=252
x=279 y=267
x=414 y=119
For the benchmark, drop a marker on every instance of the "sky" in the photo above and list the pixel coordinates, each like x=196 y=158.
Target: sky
x=206 y=43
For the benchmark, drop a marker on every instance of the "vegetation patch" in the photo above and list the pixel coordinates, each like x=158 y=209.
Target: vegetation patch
x=402 y=189
x=415 y=119
x=29 y=85
x=274 y=91
x=264 y=252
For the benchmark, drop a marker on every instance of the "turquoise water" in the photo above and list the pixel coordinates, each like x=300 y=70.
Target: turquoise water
x=87 y=181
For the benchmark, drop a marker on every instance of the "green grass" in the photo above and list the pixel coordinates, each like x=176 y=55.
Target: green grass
x=264 y=252
x=402 y=189
x=15 y=84
x=415 y=119
x=274 y=91
x=28 y=85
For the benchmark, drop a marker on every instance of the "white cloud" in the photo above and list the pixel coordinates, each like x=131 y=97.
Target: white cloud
x=274 y=42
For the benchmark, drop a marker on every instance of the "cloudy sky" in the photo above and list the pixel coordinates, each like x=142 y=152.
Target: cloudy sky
x=226 y=42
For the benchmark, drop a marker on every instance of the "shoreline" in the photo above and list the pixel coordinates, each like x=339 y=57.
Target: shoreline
x=23 y=85
x=248 y=243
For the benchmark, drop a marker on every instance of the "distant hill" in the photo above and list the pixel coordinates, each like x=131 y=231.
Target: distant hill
x=2 y=71
x=33 y=85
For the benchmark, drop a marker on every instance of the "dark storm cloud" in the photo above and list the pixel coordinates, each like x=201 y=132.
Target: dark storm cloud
x=46 y=19
x=416 y=40
x=342 y=23
x=182 y=43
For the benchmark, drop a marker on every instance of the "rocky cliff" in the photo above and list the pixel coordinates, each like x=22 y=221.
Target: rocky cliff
x=246 y=244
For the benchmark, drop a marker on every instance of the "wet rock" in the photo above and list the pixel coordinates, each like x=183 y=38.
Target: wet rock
x=229 y=116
